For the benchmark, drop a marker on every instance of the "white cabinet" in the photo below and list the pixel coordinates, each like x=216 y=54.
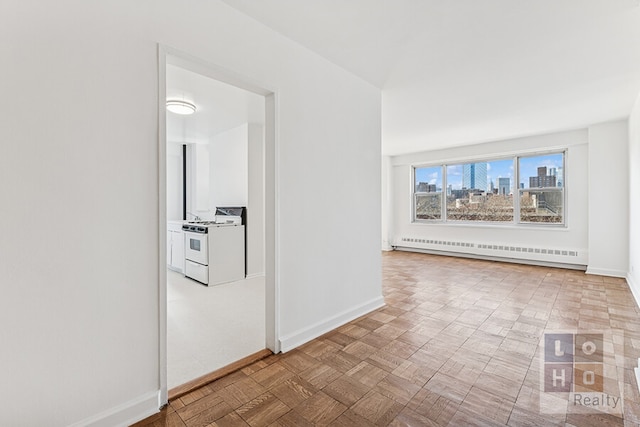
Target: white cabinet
x=175 y=246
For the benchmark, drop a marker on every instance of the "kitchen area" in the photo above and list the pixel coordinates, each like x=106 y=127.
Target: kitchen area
x=211 y=252
x=215 y=224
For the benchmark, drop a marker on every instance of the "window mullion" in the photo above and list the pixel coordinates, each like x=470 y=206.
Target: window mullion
x=516 y=192
x=443 y=196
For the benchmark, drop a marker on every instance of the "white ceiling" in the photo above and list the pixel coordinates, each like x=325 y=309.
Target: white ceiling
x=220 y=107
x=456 y=72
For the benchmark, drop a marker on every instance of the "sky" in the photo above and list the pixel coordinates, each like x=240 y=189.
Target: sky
x=495 y=169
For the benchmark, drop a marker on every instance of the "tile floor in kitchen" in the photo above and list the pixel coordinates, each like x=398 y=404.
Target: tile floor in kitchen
x=211 y=327
x=459 y=343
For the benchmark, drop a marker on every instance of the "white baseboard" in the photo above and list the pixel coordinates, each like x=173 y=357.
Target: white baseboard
x=254 y=275
x=635 y=291
x=124 y=414
x=606 y=272
x=296 y=339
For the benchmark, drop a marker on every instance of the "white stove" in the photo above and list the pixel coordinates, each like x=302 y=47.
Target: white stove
x=203 y=226
x=215 y=250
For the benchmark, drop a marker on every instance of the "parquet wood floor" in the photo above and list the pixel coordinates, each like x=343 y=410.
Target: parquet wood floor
x=459 y=343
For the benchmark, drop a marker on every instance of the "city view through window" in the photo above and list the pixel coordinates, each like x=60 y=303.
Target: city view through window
x=484 y=191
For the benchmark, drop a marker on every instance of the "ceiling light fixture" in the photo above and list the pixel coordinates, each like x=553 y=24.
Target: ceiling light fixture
x=180 y=107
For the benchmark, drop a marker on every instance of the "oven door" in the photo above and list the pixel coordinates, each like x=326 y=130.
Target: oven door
x=195 y=247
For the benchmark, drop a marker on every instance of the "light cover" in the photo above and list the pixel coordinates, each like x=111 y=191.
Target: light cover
x=180 y=107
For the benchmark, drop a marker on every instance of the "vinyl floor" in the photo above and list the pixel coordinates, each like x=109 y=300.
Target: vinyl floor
x=460 y=342
x=209 y=327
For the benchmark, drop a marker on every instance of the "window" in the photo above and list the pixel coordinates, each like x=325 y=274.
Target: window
x=428 y=193
x=521 y=189
x=480 y=191
x=541 y=189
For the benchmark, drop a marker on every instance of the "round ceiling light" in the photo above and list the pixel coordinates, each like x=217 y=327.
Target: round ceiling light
x=181 y=107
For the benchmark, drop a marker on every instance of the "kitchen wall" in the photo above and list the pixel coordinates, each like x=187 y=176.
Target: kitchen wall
x=634 y=200
x=228 y=171
x=596 y=194
x=229 y=167
x=80 y=227
x=199 y=180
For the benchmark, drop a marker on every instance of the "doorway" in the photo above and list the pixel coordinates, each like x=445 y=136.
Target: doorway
x=216 y=340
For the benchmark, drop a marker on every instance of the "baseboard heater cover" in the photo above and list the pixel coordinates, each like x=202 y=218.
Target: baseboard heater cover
x=564 y=257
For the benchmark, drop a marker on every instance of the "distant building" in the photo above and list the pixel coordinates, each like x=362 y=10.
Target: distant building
x=504 y=186
x=460 y=194
x=425 y=187
x=542 y=180
x=474 y=176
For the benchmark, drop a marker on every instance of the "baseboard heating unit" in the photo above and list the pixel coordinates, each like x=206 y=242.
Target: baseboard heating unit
x=525 y=254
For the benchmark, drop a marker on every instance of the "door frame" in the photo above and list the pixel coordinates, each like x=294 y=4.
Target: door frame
x=168 y=55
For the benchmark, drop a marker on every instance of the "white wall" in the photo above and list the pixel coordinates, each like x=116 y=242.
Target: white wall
x=573 y=237
x=634 y=200
x=229 y=168
x=79 y=253
x=609 y=199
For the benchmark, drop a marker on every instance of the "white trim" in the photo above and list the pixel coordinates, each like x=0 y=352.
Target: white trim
x=162 y=226
x=291 y=341
x=272 y=220
x=255 y=276
x=126 y=413
x=606 y=272
x=169 y=55
x=635 y=291
x=196 y=65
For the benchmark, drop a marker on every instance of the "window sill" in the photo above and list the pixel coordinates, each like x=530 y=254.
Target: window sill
x=489 y=225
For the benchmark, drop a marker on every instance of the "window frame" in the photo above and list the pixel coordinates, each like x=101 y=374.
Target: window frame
x=562 y=189
x=415 y=194
x=515 y=188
